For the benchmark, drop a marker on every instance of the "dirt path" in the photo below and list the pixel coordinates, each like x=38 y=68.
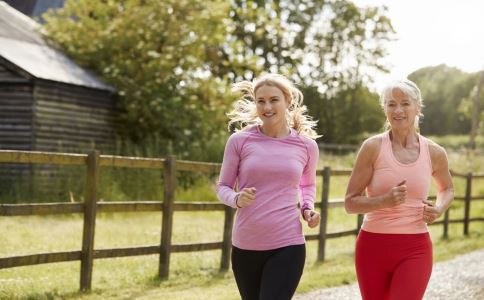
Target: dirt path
x=461 y=278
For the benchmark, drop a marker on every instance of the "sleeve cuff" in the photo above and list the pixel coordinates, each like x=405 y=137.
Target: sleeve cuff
x=235 y=201
x=305 y=206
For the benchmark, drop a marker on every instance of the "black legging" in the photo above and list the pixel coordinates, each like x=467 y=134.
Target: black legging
x=271 y=274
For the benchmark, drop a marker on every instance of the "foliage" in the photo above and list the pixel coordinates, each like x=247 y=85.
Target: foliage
x=157 y=55
x=172 y=61
x=444 y=89
x=348 y=117
x=331 y=48
x=327 y=44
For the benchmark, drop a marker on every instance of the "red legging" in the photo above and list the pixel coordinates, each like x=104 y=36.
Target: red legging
x=393 y=266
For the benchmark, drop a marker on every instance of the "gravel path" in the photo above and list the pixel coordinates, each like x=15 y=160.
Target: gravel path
x=461 y=278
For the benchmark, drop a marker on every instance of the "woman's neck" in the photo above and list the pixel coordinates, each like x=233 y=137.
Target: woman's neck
x=276 y=131
x=404 y=138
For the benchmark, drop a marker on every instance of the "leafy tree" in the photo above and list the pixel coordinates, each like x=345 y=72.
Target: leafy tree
x=331 y=48
x=157 y=54
x=443 y=90
x=327 y=43
x=348 y=117
x=473 y=107
x=172 y=61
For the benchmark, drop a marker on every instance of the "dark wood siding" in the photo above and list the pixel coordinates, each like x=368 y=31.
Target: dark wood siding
x=15 y=116
x=15 y=130
x=7 y=76
x=71 y=118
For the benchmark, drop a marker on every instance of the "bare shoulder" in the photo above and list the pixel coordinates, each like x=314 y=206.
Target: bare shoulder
x=438 y=155
x=437 y=152
x=370 y=148
x=372 y=144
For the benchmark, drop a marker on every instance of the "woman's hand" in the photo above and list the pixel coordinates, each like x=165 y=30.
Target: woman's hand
x=245 y=197
x=396 y=196
x=312 y=217
x=431 y=212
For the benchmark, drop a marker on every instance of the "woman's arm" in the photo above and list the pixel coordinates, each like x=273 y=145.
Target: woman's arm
x=228 y=173
x=308 y=186
x=443 y=180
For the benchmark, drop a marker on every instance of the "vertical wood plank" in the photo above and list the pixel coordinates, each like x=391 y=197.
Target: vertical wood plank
x=227 y=238
x=467 y=206
x=446 y=224
x=324 y=214
x=167 y=221
x=92 y=179
x=359 y=222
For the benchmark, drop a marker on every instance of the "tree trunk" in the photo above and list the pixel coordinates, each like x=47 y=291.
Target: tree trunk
x=476 y=112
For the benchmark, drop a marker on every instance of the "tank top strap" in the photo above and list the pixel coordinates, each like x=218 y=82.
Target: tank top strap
x=425 y=153
x=386 y=140
x=386 y=145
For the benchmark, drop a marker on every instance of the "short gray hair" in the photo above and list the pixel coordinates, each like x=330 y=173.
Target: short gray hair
x=410 y=89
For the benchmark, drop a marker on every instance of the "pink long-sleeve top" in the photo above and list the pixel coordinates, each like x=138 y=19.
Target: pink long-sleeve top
x=283 y=171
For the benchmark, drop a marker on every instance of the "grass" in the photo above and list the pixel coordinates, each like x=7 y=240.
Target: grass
x=192 y=275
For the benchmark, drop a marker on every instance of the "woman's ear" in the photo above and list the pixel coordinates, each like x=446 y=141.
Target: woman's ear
x=288 y=101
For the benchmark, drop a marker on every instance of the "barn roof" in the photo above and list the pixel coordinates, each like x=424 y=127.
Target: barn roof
x=22 y=44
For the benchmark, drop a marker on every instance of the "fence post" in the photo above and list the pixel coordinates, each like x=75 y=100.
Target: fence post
x=227 y=238
x=167 y=217
x=359 y=222
x=324 y=214
x=446 y=223
x=467 y=206
x=87 y=255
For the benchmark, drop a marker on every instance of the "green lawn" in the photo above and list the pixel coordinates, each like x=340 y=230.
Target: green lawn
x=192 y=275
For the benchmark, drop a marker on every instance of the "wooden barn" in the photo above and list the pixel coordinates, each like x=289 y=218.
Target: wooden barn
x=35 y=8
x=48 y=102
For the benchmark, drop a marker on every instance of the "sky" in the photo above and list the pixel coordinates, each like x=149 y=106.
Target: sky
x=433 y=32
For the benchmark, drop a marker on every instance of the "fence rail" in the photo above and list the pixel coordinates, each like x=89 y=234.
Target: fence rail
x=170 y=166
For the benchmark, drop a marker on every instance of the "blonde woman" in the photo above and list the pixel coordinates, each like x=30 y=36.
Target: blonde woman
x=273 y=159
x=393 y=250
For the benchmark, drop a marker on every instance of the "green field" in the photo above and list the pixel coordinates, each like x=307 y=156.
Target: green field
x=192 y=275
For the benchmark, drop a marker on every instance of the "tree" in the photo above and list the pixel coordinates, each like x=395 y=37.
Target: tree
x=331 y=48
x=443 y=90
x=348 y=117
x=327 y=43
x=156 y=53
x=473 y=107
x=173 y=61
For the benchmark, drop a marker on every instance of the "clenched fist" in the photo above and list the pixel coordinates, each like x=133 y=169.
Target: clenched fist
x=312 y=217
x=396 y=196
x=245 y=197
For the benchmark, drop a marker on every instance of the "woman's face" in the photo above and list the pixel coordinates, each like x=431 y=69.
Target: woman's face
x=401 y=110
x=271 y=105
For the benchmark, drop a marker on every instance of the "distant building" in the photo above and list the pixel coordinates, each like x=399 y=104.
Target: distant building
x=35 y=8
x=47 y=101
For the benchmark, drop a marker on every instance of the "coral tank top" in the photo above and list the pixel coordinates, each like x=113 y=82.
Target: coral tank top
x=405 y=218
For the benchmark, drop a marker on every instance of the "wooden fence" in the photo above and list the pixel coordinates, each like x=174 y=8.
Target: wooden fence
x=94 y=161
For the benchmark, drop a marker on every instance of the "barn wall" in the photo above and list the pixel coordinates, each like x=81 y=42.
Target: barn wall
x=71 y=118
x=15 y=129
x=15 y=111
